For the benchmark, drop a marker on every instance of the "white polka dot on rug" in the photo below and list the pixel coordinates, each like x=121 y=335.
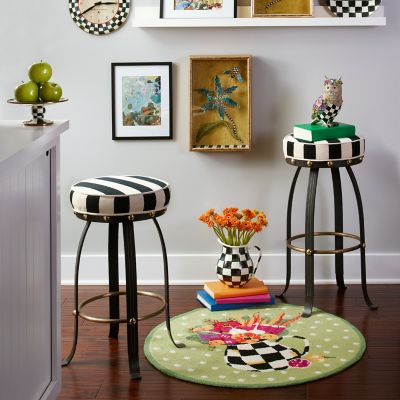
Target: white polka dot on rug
x=213 y=357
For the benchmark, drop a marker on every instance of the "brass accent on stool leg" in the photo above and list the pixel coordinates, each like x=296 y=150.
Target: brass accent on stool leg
x=71 y=354
x=309 y=243
x=338 y=202
x=113 y=277
x=289 y=232
x=131 y=299
x=362 y=239
x=166 y=284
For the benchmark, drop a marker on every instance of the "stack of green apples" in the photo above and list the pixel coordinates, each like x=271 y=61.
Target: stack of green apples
x=38 y=89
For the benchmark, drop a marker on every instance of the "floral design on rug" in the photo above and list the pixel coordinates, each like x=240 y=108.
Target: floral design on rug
x=256 y=344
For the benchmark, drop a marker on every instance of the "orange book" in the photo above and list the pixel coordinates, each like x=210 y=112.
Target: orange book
x=218 y=290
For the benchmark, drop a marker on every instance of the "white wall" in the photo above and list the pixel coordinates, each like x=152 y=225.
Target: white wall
x=288 y=70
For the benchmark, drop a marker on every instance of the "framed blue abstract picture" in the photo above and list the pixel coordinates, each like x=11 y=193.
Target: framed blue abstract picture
x=141 y=100
x=197 y=8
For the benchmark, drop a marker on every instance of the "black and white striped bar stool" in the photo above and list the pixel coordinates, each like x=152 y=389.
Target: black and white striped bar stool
x=332 y=154
x=114 y=200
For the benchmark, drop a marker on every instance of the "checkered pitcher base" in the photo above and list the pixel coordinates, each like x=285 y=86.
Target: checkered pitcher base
x=265 y=355
x=235 y=266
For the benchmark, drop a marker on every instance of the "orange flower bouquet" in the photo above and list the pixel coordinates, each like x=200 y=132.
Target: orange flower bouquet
x=234 y=227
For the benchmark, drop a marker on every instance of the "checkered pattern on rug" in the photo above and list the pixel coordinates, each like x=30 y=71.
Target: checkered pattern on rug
x=235 y=266
x=353 y=8
x=263 y=356
x=99 y=29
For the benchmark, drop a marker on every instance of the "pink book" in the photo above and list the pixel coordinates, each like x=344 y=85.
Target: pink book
x=259 y=298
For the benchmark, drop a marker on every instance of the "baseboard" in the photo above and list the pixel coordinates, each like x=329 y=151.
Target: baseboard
x=194 y=269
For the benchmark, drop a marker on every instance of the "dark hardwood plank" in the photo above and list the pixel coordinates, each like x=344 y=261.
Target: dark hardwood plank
x=100 y=371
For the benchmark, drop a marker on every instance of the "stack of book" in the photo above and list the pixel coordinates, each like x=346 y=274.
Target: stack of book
x=217 y=297
x=315 y=133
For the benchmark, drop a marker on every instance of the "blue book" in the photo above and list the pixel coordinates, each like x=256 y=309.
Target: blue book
x=206 y=300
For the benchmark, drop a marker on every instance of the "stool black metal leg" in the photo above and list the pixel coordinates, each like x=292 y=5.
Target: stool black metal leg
x=289 y=232
x=166 y=284
x=113 y=278
x=338 y=199
x=309 y=245
x=362 y=237
x=71 y=354
x=131 y=299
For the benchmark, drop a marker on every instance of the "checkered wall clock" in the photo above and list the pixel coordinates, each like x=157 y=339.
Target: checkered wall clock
x=99 y=17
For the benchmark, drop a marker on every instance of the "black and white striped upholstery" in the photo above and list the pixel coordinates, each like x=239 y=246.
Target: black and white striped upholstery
x=119 y=195
x=324 y=150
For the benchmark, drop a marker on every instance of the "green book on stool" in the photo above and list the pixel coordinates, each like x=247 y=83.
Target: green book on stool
x=314 y=133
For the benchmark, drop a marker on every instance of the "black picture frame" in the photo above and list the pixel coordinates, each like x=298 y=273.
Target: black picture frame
x=114 y=102
x=162 y=9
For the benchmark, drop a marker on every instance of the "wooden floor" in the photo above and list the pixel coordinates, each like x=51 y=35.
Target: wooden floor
x=100 y=371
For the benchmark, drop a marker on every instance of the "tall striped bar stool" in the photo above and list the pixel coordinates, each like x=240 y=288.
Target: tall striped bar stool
x=114 y=200
x=332 y=154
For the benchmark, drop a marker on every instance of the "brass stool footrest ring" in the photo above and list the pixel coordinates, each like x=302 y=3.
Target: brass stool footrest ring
x=120 y=320
x=336 y=234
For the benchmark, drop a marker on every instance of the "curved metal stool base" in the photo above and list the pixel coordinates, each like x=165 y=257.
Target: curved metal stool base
x=119 y=320
x=316 y=251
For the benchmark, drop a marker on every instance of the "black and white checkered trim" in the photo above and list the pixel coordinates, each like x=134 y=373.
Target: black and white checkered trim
x=235 y=266
x=222 y=147
x=119 y=195
x=38 y=112
x=324 y=150
x=329 y=114
x=99 y=29
x=263 y=356
x=353 y=8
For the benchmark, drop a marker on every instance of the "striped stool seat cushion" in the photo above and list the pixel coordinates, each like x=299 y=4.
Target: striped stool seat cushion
x=119 y=195
x=324 y=150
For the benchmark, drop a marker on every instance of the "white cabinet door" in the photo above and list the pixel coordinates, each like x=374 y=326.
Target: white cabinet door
x=25 y=282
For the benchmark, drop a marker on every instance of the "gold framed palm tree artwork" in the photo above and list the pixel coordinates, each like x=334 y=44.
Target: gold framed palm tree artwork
x=220 y=103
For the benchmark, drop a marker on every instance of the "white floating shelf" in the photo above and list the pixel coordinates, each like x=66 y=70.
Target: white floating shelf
x=148 y=17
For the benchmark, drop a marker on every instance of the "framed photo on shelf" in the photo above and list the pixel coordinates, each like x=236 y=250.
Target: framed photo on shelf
x=282 y=8
x=220 y=103
x=198 y=8
x=141 y=100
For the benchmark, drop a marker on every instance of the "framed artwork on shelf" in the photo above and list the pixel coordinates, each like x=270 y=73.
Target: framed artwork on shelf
x=220 y=103
x=141 y=100
x=198 y=8
x=282 y=8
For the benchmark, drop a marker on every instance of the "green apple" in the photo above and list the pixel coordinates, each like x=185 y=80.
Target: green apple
x=27 y=92
x=50 y=91
x=40 y=72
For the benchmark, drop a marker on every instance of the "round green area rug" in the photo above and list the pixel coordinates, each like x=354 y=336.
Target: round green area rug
x=255 y=347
